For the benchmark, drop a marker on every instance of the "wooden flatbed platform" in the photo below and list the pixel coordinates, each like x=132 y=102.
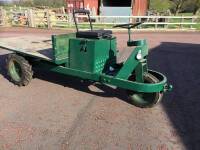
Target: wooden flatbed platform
x=34 y=46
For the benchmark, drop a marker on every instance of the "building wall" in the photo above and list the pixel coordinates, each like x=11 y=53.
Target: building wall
x=140 y=7
x=71 y=4
x=92 y=5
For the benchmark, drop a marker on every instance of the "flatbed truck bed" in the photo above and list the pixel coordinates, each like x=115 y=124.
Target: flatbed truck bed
x=34 y=46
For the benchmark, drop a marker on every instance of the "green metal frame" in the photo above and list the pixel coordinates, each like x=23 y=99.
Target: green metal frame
x=96 y=59
x=60 y=44
x=120 y=79
x=137 y=86
x=132 y=62
x=101 y=55
x=107 y=79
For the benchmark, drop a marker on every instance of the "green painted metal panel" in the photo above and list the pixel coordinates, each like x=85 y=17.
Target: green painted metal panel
x=106 y=79
x=68 y=71
x=92 y=55
x=132 y=62
x=137 y=86
x=139 y=72
x=60 y=44
x=129 y=65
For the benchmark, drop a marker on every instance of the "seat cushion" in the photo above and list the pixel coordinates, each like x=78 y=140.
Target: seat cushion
x=94 y=34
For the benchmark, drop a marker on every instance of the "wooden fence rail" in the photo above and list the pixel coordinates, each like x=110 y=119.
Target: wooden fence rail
x=48 y=19
x=2 y=16
x=156 y=21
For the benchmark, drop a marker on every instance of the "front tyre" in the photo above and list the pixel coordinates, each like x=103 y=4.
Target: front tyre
x=19 y=70
x=144 y=100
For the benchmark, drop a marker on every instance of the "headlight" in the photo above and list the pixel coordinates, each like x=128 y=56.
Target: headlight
x=139 y=55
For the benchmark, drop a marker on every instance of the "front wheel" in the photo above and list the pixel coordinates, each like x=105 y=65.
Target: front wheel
x=145 y=100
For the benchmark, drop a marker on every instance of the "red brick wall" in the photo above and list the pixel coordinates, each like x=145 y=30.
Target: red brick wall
x=74 y=4
x=91 y=4
x=140 y=7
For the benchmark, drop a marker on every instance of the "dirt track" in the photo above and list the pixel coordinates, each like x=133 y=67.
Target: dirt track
x=56 y=112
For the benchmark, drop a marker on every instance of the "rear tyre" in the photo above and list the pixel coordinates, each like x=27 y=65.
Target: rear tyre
x=19 y=70
x=145 y=100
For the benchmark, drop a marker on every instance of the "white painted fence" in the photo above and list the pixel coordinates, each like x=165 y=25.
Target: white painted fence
x=46 y=18
x=155 y=21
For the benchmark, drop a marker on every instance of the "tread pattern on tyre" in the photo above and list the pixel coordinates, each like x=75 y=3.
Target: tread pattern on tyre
x=26 y=68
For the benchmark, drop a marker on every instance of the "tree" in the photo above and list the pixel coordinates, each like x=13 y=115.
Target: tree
x=177 y=5
x=23 y=2
x=159 y=5
x=50 y=3
x=192 y=6
x=196 y=6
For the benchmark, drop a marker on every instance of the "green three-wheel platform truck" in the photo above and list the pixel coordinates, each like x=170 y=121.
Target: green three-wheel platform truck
x=89 y=55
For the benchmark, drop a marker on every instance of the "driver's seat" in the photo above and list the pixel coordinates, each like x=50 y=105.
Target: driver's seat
x=91 y=34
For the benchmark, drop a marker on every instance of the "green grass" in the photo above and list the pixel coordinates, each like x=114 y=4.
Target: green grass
x=197 y=26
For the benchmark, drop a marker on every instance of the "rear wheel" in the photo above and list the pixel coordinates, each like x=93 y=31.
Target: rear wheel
x=145 y=100
x=19 y=70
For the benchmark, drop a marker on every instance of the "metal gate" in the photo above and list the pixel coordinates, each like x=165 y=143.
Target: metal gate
x=1 y=16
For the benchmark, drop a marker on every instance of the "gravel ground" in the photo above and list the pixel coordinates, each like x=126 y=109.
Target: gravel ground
x=56 y=112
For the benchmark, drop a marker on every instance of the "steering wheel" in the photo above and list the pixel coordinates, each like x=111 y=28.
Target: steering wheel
x=128 y=26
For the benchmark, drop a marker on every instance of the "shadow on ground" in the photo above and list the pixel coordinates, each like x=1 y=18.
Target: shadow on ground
x=3 y=65
x=180 y=62
x=82 y=85
x=72 y=82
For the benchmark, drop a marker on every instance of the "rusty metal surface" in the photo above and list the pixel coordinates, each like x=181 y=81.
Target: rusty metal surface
x=62 y=113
